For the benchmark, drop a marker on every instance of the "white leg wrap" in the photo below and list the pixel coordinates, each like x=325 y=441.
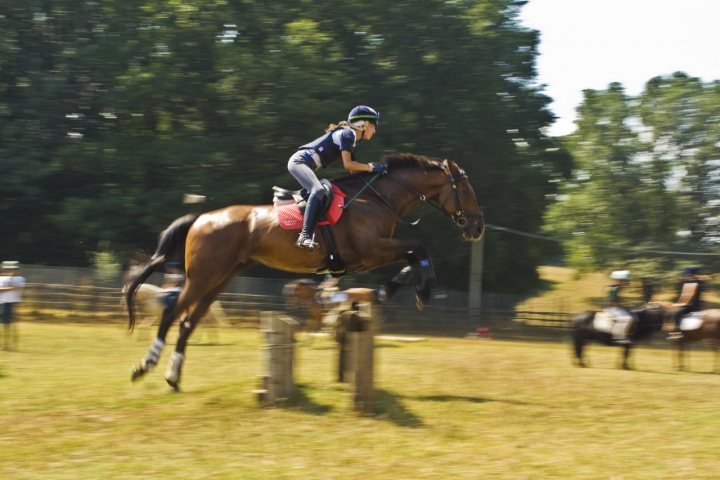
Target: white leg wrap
x=153 y=355
x=172 y=374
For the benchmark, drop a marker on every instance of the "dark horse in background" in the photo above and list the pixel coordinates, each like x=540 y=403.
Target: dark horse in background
x=219 y=245
x=648 y=320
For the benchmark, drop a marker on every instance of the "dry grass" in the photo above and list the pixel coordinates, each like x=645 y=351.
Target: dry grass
x=447 y=408
x=568 y=292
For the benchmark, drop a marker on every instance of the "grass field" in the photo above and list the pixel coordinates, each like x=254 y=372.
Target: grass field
x=564 y=290
x=446 y=408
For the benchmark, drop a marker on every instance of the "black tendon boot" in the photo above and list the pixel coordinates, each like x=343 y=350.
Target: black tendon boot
x=307 y=234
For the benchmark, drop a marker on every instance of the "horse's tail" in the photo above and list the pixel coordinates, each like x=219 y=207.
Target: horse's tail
x=171 y=246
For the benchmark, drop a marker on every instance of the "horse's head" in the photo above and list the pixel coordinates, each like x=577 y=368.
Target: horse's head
x=458 y=201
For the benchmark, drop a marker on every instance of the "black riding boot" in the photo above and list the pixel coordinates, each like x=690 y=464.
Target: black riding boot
x=307 y=234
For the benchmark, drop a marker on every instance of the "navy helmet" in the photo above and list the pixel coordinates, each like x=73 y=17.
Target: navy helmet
x=364 y=113
x=690 y=271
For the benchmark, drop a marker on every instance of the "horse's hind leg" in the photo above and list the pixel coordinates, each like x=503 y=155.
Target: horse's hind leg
x=187 y=298
x=153 y=355
x=174 y=368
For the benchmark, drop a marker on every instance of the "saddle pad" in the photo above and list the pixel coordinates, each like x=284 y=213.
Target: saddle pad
x=691 y=322
x=290 y=218
x=603 y=322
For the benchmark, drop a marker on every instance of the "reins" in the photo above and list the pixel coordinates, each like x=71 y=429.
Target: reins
x=459 y=217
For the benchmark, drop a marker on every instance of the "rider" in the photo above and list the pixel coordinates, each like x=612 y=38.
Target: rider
x=689 y=300
x=338 y=142
x=172 y=283
x=623 y=319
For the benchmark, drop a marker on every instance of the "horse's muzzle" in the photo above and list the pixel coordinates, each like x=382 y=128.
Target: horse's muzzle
x=472 y=231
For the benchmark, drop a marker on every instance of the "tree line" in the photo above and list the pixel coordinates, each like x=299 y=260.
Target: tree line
x=646 y=179
x=110 y=111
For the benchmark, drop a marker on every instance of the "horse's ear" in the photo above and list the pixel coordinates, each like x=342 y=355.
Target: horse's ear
x=446 y=164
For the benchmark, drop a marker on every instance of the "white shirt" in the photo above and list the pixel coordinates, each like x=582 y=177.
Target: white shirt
x=11 y=296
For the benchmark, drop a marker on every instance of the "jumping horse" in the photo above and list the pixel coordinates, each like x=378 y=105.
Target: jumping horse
x=219 y=245
x=648 y=320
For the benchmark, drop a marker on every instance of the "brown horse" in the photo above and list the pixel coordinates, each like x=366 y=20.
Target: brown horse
x=317 y=300
x=706 y=327
x=218 y=245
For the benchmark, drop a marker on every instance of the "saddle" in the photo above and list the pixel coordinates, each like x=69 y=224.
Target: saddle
x=692 y=321
x=284 y=196
x=290 y=209
x=604 y=321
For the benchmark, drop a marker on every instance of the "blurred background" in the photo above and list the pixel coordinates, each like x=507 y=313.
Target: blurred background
x=111 y=111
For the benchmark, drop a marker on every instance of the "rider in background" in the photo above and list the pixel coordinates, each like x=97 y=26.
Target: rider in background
x=172 y=283
x=689 y=299
x=337 y=143
x=613 y=305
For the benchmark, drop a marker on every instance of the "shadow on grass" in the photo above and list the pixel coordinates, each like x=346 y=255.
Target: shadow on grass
x=452 y=398
x=389 y=408
x=302 y=401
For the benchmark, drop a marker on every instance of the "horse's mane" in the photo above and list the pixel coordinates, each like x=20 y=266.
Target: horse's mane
x=395 y=162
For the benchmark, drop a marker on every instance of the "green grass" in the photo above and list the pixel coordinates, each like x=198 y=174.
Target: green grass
x=446 y=408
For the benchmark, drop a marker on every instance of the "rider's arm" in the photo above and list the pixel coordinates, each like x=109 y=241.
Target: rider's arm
x=689 y=290
x=352 y=165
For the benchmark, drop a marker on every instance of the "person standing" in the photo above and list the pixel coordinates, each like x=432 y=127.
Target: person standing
x=173 y=283
x=11 y=286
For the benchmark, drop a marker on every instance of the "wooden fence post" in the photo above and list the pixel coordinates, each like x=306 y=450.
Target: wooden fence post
x=278 y=353
x=356 y=356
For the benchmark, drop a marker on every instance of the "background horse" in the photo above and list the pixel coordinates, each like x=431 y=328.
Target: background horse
x=148 y=296
x=219 y=245
x=708 y=329
x=313 y=301
x=648 y=320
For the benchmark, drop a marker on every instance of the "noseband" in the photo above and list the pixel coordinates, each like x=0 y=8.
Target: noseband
x=459 y=216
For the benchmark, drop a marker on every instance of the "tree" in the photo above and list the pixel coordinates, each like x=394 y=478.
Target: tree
x=115 y=109
x=645 y=174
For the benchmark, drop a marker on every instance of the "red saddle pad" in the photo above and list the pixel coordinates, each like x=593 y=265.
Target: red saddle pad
x=290 y=218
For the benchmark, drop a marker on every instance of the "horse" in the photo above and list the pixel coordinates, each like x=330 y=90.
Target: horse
x=696 y=327
x=648 y=321
x=317 y=300
x=219 y=245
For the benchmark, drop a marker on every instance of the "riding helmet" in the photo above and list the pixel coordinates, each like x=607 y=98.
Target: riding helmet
x=362 y=112
x=621 y=275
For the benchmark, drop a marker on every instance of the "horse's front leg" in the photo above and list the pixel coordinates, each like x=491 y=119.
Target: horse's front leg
x=387 y=251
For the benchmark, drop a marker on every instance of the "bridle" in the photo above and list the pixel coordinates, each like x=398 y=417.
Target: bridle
x=459 y=218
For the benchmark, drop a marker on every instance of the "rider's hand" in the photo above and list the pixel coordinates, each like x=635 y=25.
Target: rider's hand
x=379 y=168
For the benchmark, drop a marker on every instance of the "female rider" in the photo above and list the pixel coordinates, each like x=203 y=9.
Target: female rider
x=338 y=142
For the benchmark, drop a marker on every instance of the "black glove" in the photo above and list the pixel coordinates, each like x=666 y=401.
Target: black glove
x=379 y=168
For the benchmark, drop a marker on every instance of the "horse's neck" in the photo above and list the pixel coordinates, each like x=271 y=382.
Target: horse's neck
x=405 y=199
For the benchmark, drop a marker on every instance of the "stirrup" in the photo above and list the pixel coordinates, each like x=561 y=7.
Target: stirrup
x=306 y=242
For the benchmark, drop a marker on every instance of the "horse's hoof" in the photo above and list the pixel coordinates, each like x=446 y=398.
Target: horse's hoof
x=382 y=294
x=137 y=372
x=173 y=384
x=421 y=298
